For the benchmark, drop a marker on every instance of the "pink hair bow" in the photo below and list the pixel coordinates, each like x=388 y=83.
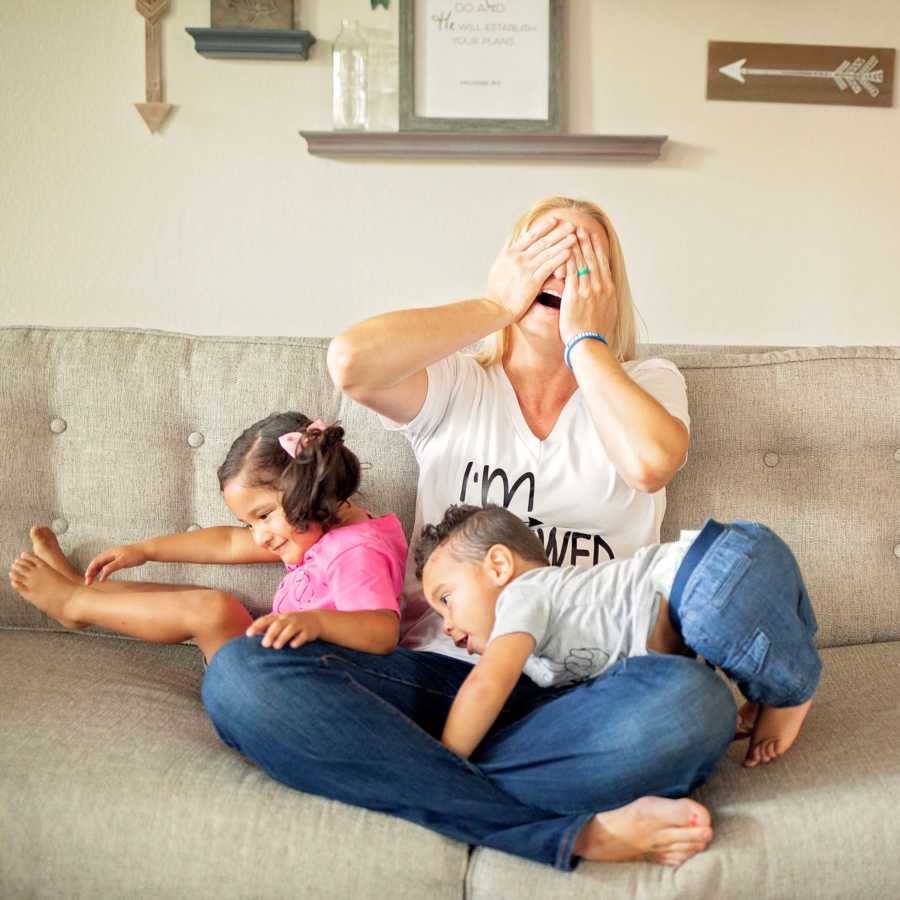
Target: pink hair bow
x=294 y=440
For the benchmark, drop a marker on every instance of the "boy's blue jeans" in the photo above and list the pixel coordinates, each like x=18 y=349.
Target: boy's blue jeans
x=739 y=600
x=365 y=729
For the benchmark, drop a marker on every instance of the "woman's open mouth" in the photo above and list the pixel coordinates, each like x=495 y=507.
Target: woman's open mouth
x=549 y=300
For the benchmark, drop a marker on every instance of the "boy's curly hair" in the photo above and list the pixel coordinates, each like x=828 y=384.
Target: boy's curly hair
x=474 y=530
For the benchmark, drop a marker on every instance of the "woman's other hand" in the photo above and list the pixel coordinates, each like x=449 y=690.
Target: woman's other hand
x=588 y=301
x=104 y=564
x=521 y=269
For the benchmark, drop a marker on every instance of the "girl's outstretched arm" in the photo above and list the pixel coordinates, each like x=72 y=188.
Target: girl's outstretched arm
x=226 y=544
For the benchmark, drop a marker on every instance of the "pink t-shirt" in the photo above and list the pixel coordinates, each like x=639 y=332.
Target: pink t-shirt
x=350 y=568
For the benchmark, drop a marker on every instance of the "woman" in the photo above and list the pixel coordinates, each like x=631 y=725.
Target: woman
x=583 y=454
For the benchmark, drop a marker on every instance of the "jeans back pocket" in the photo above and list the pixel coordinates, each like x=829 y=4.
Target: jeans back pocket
x=717 y=574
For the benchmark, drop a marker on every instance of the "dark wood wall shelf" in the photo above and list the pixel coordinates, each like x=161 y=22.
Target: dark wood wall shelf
x=456 y=144
x=251 y=43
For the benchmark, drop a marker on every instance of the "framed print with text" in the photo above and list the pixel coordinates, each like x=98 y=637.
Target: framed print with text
x=479 y=65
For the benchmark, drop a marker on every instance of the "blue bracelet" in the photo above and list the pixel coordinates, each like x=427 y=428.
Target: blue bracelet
x=577 y=338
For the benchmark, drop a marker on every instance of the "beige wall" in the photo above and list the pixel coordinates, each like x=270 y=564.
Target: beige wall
x=762 y=223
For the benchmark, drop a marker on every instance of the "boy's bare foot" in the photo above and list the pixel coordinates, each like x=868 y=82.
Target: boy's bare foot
x=651 y=828
x=774 y=732
x=45 y=588
x=46 y=547
x=746 y=719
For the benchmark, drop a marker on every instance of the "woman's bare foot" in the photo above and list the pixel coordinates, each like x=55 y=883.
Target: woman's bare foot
x=46 y=589
x=46 y=547
x=774 y=732
x=651 y=828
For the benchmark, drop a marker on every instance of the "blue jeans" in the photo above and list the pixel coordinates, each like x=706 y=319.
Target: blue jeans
x=739 y=600
x=365 y=729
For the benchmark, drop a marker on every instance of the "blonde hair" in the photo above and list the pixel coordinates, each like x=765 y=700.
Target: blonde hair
x=622 y=340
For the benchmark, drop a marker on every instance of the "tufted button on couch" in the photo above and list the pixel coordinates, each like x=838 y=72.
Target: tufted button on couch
x=113 y=783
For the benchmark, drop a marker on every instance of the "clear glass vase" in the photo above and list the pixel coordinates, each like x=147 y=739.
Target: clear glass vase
x=383 y=75
x=349 y=78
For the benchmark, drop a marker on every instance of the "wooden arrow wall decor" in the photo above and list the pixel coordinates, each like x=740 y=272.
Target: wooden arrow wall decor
x=800 y=73
x=154 y=111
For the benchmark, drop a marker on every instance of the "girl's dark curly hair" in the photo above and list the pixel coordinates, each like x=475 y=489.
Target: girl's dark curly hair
x=323 y=476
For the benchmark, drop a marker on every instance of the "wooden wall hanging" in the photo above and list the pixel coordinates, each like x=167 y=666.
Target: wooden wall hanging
x=800 y=73
x=154 y=111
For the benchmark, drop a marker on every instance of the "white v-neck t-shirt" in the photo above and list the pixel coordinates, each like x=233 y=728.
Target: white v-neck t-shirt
x=473 y=445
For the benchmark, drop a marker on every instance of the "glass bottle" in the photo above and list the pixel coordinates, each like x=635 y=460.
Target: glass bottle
x=383 y=71
x=349 y=61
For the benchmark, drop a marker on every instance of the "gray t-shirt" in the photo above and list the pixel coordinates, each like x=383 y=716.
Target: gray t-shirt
x=586 y=619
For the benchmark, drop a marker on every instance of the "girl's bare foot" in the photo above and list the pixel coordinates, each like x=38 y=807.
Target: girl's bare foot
x=774 y=732
x=46 y=547
x=651 y=828
x=46 y=589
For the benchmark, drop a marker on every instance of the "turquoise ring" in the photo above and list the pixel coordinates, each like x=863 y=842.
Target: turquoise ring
x=584 y=271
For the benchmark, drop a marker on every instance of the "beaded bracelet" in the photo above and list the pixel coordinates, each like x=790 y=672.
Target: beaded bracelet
x=577 y=338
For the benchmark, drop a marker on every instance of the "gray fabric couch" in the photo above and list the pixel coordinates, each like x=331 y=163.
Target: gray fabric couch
x=113 y=783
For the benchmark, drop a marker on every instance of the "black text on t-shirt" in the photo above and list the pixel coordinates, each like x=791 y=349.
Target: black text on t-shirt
x=562 y=546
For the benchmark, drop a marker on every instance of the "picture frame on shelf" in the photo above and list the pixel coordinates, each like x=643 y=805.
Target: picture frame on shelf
x=269 y=14
x=480 y=65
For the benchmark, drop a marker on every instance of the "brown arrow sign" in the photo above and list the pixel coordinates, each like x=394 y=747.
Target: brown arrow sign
x=800 y=73
x=154 y=111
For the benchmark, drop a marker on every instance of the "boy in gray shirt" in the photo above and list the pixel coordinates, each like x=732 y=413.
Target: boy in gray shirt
x=732 y=593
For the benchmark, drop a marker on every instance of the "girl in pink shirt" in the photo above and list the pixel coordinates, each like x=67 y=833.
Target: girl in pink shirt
x=289 y=481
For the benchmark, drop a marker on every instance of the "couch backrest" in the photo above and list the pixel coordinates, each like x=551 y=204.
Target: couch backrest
x=807 y=441
x=114 y=435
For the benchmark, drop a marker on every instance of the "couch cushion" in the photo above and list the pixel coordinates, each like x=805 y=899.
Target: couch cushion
x=113 y=783
x=106 y=755
x=819 y=822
